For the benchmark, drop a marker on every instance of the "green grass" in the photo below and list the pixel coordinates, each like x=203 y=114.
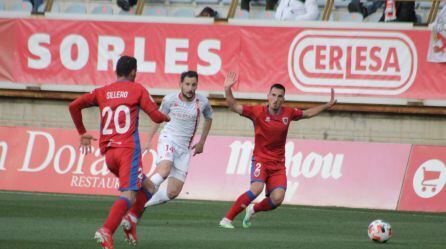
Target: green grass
x=50 y=221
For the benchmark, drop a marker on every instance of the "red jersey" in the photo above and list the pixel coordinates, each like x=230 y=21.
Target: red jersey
x=270 y=131
x=119 y=105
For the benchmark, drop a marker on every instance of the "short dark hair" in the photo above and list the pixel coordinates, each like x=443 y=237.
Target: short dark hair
x=189 y=74
x=278 y=86
x=126 y=64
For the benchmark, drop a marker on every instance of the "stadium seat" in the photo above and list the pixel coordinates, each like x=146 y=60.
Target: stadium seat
x=76 y=8
x=207 y=1
x=180 y=1
x=2 y=5
x=184 y=12
x=321 y=3
x=127 y=13
x=241 y=14
x=257 y=2
x=350 y=17
x=102 y=9
x=374 y=17
x=155 y=11
x=425 y=5
x=264 y=14
x=22 y=7
x=54 y=9
x=341 y=3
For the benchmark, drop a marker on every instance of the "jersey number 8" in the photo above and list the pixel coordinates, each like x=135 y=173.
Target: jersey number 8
x=108 y=113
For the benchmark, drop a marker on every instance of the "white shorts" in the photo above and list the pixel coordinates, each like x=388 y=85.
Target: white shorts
x=167 y=150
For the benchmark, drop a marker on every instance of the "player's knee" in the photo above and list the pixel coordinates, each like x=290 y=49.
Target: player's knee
x=277 y=199
x=173 y=193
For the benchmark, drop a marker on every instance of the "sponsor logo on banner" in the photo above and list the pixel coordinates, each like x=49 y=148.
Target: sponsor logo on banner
x=353 y=62
x=430 y=178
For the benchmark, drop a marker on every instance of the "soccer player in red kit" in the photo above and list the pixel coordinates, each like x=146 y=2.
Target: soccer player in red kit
x=271 y=124
x=119 y=105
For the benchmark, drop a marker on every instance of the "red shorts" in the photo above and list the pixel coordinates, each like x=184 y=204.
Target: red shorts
x=272 y=174
x=125 y=163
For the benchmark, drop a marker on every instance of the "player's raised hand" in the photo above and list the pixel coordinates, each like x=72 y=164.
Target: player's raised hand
x=332 y=99
x=231 y=79
x=198 y=148
x=85 y=143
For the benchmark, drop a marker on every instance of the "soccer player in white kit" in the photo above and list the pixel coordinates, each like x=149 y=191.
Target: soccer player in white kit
x=175 y=140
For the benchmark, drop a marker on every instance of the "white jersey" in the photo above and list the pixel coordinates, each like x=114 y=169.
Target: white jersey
x=184 y=117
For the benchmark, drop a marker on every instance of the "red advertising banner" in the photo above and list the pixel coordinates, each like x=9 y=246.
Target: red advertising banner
x=385 y=63
x=424 y=184
x=330 y=173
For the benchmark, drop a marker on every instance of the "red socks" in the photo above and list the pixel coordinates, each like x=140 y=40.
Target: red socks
x=117 y=211
x=142 y=197
x=265 y=205
x=240 y=204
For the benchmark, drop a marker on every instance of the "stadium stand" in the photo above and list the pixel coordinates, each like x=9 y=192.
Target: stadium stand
x=24 y=6
x=102 y=10
x=155 y=11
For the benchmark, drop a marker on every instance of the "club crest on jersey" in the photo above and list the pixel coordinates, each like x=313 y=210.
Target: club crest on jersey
x=267 y=119
x=285 y=120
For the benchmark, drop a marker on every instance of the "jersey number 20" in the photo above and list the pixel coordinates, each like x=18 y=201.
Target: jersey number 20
x=108 y=113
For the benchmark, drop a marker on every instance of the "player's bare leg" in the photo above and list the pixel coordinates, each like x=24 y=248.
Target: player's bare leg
x=241 y=203
x=269 y=203
x=104 y=235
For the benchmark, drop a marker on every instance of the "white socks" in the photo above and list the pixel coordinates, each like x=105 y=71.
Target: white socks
x=156 y=179
x=160 y=197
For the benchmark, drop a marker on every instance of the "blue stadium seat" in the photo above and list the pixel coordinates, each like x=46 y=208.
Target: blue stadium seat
x=76 y=8
x=207 y=1
x=426 y=5
x=184 y=12
x=264 y=14
x=341 y=3
x=22 y=7
x=54 y=9
x=127 y=13
x=350 y=17
x=155 y=11
x=321 y=3
x=102 y=9
x=241 y=14
x=258 y=2
x=374 y=17
x=180 y=1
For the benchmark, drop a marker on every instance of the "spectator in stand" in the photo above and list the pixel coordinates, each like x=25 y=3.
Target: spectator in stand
x=208 y=12
x=366 y=9
x=270 y=4
x=399 y=11
x=126 y=4
x=297 y=10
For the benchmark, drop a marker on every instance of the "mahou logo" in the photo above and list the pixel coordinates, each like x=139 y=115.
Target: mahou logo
x=353 y=62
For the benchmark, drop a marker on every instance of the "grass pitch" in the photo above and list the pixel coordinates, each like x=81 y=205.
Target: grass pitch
x=52 y=221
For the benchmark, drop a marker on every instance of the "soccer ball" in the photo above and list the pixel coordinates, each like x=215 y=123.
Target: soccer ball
x=380 y=231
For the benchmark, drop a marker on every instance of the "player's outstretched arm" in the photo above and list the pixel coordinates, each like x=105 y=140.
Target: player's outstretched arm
x=309 y=113
x=153 y=129
x=231 y=79
x=198 y=147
